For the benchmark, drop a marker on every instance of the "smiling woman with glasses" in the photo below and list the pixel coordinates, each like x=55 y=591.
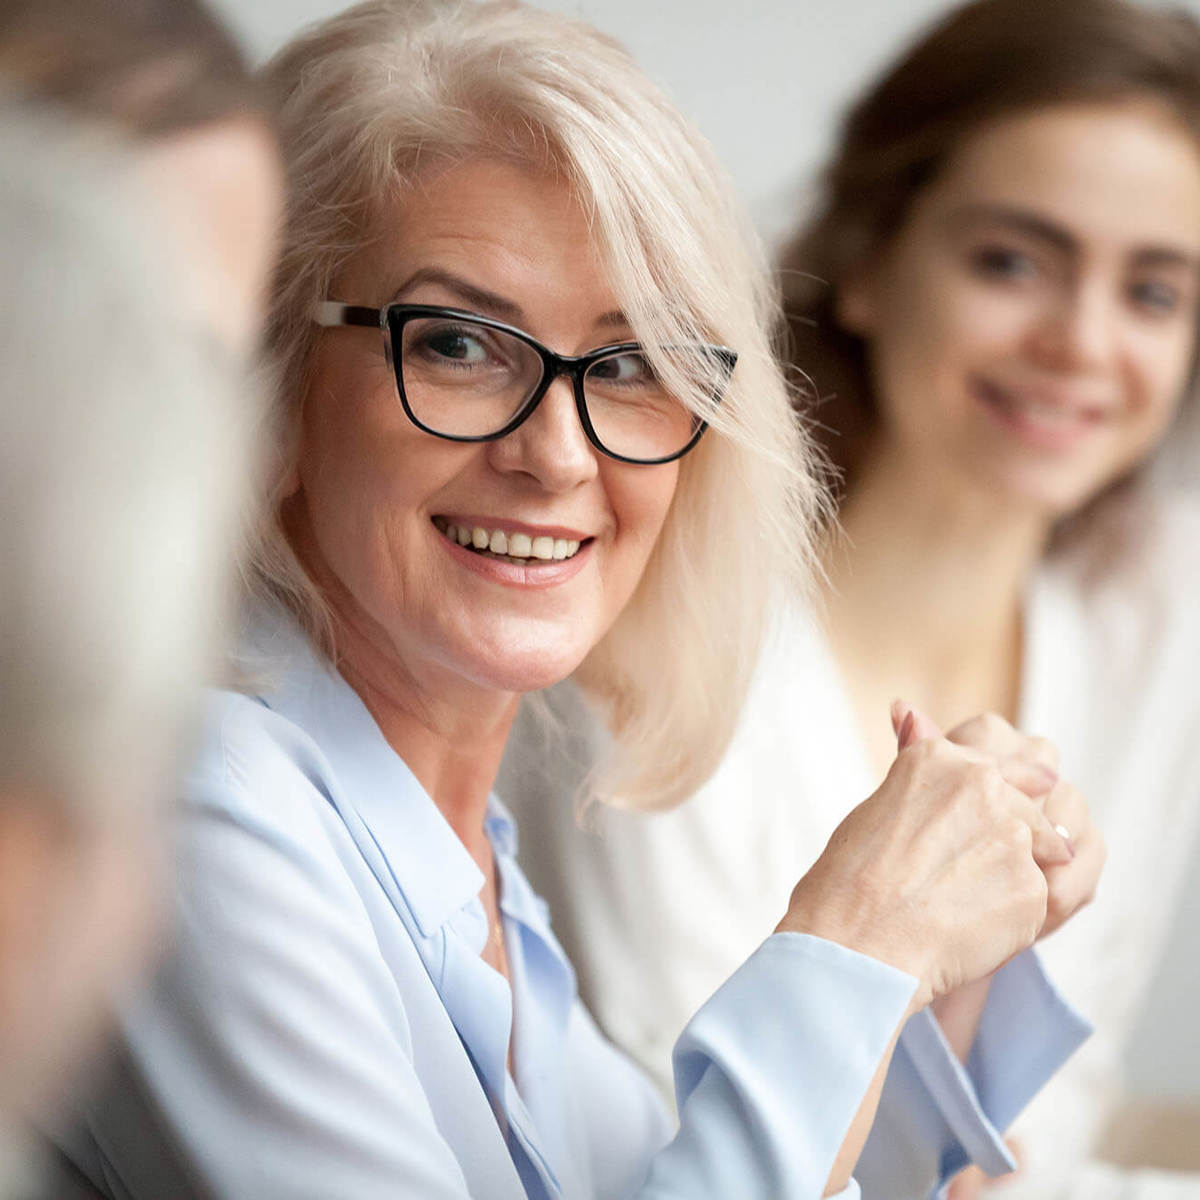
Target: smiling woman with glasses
x=499 y=332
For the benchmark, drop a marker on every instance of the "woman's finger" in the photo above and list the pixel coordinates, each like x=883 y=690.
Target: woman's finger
x=1050 y=848
x=993 y=734
x=1066 y=806
x=1072 y=886
x=1032 y=778
x=912 y=725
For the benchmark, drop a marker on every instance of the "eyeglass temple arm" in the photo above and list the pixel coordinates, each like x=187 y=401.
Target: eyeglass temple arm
x=329 y=313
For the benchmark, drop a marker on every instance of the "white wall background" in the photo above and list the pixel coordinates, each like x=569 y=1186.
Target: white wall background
x=765 y=81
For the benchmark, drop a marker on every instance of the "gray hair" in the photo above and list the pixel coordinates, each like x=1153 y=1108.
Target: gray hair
x=123 y=454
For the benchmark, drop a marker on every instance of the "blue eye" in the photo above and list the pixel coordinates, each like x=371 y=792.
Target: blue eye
x=1003 y=262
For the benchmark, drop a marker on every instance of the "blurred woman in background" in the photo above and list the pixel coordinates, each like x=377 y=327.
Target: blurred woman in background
x=996 y=304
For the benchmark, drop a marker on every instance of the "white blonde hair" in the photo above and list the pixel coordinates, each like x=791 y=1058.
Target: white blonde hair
x=123 y=460
x=375 y=97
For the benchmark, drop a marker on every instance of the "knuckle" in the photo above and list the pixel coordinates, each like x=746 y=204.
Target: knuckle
x=968 y=732
x=990 y=781
x=992 y=724
x=1018 y=835
x=1043 y=750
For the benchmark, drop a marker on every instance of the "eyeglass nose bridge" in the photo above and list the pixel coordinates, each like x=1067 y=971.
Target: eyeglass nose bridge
x=554 y=367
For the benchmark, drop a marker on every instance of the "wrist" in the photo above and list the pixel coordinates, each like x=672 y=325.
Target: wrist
x=863 y=937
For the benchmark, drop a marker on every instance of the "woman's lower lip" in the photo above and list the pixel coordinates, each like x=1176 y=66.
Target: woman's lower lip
x=534 y=575
x=1056 y=434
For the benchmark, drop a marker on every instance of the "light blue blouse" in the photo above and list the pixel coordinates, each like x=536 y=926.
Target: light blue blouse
x=325 y=1027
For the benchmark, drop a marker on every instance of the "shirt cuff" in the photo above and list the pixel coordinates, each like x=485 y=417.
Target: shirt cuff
x=773 y=1069
x=1028 y=1030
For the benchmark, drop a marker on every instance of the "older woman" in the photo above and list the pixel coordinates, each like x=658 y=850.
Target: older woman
x=502 y=325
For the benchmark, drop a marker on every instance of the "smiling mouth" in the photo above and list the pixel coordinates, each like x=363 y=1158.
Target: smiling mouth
x=509 y=547
x=1048 y=420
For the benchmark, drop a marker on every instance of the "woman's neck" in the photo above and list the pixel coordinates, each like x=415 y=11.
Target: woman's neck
x=450 y=733
x=926 y=590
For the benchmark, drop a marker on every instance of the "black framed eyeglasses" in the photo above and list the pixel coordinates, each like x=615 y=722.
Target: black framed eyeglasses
x=469 y=378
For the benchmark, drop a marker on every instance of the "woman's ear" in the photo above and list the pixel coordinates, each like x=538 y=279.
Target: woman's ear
x=290 y=484
x=856 y=301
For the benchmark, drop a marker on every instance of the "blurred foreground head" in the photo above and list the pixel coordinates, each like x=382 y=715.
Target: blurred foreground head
x=124 y=448
x=167 y=76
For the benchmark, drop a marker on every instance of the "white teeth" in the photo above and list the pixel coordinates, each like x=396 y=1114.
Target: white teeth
x=1041 y=411
x=510 y=545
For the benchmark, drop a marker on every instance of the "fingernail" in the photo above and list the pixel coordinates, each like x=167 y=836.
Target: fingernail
x=1064 y=833
x=1050 y=773
x=906 y=729
x=898 y=707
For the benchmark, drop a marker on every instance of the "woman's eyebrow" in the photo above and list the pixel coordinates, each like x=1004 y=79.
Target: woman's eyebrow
x=1021 y=220
x=473 y=296
x=480 y=299
x=1045 y=230
x=1168 y=256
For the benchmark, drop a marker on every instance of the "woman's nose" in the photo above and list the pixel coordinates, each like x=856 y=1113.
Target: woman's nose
x=550 y=446
x=1078 y=332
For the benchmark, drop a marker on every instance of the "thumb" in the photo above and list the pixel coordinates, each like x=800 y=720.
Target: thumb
x=911 y=724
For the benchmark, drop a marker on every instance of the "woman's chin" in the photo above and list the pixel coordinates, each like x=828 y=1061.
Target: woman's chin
x=527 y=669
x=1054 y=499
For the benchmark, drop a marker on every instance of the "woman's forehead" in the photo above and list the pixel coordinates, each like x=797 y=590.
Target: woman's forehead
x=488 y=235
x=1122 y=172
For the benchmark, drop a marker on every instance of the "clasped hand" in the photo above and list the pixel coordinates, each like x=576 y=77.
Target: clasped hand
x=971 y=849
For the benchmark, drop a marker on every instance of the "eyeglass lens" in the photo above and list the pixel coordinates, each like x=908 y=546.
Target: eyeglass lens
x=469 y=380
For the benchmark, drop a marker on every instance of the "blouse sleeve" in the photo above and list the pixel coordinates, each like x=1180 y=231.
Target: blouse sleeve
x=269 y=1061
x=937 y=1116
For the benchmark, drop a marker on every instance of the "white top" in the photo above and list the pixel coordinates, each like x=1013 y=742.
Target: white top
x=327 y=1030
x=655 y=909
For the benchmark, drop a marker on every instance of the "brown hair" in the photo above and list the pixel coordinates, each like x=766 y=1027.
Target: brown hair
x=153 y=67
x=981 y=62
